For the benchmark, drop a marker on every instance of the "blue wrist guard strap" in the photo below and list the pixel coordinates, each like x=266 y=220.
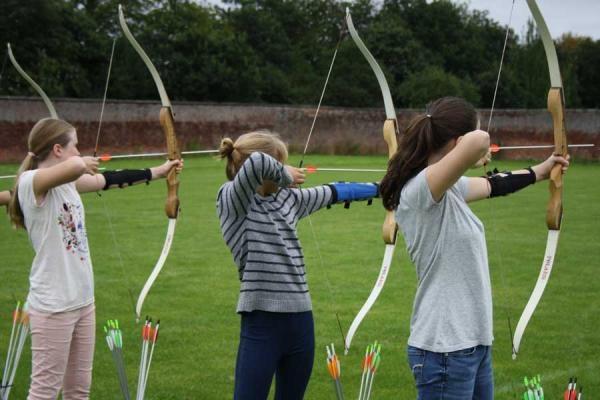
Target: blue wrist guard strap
x=345 y=192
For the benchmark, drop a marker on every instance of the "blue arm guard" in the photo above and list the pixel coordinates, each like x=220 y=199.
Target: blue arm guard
x=345 y=192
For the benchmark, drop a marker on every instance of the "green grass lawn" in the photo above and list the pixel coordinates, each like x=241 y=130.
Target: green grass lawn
x=195 y=295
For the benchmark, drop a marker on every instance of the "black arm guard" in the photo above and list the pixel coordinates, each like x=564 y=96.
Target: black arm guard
x=126 y=177
x=503 y=183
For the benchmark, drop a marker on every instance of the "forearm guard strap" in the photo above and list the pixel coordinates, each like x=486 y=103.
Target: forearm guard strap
x=345 y=192
x=126 y=177
x=503 y=183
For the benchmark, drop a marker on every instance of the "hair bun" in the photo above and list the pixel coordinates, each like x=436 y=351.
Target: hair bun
x=226 y=148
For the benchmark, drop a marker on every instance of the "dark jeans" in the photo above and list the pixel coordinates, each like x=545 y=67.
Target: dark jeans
x=459 y=375
x=280 y=344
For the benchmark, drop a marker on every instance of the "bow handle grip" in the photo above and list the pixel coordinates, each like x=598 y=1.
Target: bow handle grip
x=173 y=153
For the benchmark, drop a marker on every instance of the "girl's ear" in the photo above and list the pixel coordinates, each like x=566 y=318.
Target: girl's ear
x=57 y=150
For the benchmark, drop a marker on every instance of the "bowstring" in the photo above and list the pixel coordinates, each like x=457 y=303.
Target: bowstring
x=106 y=210
x=508 y=304
x=300 y=165
x=506 y=36
x=112 y=54
x=312 y=126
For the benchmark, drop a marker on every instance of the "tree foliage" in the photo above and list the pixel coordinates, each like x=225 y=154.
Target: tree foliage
x=279 y=51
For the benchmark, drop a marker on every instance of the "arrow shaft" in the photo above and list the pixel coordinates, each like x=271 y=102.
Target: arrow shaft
x=545 y=146
x=345 y=170
x=141 y=155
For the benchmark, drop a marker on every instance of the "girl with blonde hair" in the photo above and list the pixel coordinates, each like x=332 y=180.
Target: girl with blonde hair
x=259 y=209
x=47 y=205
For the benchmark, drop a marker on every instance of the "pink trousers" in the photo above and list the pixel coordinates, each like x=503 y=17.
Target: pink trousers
x=62 y=353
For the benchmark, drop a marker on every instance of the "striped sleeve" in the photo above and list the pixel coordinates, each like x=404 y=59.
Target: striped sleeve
x=256 y=169
x=311 y=200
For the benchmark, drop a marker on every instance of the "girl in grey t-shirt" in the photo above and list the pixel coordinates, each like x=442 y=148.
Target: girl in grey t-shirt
x=451 y=324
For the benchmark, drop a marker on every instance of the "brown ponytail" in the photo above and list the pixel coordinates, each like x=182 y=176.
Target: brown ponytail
x=43 y=136
x=444 y=119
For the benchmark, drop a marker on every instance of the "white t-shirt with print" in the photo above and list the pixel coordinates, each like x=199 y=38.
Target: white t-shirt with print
x=61 y=276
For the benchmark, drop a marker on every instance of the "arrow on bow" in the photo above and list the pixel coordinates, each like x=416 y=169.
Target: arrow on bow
x=168 y=127
x=556 y=107
x=389 y=229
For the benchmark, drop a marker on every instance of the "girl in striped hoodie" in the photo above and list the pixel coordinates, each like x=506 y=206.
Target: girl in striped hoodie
x=259 y=209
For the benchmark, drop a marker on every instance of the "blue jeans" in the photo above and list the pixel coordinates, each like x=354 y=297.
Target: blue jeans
x=280 y=344
x=459 y=375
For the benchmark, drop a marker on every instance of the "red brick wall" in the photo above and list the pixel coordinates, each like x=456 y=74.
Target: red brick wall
x=132 y=126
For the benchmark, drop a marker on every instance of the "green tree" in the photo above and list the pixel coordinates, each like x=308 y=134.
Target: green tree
x=432 y=83
x=279 y=51
x=292 y=40
x=586 y=55
x=52 y=55
x=206 y=61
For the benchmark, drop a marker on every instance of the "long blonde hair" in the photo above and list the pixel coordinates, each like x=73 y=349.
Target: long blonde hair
x=43 y=136
x=236 y=153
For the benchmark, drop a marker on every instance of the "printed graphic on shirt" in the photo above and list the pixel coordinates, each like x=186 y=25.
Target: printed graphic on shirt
x=74 y=235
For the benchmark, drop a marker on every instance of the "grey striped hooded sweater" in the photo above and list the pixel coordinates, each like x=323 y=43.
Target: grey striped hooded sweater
x=261 y=233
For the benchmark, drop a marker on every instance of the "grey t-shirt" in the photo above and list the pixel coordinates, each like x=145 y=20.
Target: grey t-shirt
x=446 y=243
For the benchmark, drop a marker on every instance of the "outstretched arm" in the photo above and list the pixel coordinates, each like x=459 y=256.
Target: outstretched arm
x=124 y=178
x=313 y=199
x=504 y=183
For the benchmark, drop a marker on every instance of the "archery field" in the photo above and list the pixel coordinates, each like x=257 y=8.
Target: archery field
x=196 y=293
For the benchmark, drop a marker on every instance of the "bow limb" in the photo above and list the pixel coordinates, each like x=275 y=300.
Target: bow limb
x=556 y=107
x=37 y=87
x=389 y=229
x=168 y=127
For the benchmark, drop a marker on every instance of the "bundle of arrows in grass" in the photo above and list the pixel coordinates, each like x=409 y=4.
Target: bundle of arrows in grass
x=333 y=366
x=114 y=339
x=533 y=388
x=573 y=392
x=369 y=367
x=18 y=336
x=149 y=338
